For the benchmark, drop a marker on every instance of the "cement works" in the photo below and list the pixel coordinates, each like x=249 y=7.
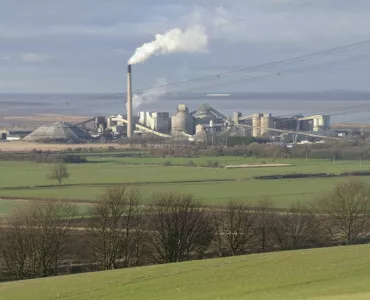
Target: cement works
x=197 y=125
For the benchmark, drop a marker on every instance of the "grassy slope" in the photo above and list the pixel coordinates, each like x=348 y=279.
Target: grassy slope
x=332 y=273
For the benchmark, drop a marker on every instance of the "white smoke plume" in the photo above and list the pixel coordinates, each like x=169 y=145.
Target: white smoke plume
x=192 y=40
x=151 y=95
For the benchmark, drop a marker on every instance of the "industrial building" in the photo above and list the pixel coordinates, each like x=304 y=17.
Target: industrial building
x=205 y=114
x=263 y=124
x=158 y=121
x=117 y=124
x=12 y=135
x=315 y=123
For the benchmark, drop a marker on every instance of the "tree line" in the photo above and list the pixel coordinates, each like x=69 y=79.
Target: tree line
x=338 y=150
x=48 y=238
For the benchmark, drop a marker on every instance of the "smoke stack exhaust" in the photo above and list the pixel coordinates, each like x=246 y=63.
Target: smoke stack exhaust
x=129 y=103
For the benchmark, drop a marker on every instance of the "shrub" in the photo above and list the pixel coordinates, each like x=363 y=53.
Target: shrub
x=167 y=163
x=213 y=164
x=191 y=163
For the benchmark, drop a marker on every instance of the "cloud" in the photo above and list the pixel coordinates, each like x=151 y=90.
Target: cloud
x=35 y=58
x=92 y=46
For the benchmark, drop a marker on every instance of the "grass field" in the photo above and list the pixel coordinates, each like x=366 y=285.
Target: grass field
x=89 y=180
x=325 y=274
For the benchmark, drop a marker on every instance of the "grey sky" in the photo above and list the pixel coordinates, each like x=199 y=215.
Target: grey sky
x=83 y=45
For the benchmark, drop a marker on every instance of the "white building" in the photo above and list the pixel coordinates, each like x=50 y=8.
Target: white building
x=158 y=121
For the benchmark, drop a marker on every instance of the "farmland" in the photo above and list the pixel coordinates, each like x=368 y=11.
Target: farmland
x=214 y=186
x=326 y=273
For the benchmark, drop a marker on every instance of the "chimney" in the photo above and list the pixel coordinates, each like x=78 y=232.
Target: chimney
x=129 y=103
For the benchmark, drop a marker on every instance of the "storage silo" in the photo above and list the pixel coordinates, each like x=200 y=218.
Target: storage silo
x=316 y=124
x=326 y=122
x=182 y=120
x=256 y=123
x=266 y=122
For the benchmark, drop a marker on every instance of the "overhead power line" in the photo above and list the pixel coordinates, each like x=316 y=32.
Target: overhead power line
x=256 y=78
x=219 y=76
x=274 y=74
x=266 y=65
x=239 y=71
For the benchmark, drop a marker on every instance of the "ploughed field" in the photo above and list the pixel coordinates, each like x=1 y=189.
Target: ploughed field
x=214 y=186
x=325 y=274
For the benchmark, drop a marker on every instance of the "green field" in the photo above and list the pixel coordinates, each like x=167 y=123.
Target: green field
x=326 y=274
x=87 y=181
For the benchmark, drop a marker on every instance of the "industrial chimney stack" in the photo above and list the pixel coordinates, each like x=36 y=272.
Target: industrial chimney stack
x=129 y=103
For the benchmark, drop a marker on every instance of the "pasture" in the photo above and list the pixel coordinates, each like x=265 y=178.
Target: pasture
x=325 y=274
x=214 y=186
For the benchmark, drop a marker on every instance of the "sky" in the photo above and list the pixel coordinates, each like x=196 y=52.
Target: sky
x=82 y=46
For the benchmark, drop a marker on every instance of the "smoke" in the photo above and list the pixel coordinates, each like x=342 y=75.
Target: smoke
x=192 y=40
x=151 y=95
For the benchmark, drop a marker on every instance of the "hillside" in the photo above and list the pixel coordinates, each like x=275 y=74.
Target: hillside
x=331 y=273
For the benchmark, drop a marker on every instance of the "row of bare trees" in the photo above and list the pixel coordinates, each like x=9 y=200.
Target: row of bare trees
x=121 y=232
x=33 y=241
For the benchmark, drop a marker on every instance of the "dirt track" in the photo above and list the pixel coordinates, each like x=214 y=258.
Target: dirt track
x=257 y=166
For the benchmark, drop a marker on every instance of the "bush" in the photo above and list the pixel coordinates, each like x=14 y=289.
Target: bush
x=167 y=163
x=191 y=163
x=213 y=164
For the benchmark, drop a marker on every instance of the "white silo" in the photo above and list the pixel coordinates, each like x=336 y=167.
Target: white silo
x=182 y=120
x=256 y=125
x=266 y=122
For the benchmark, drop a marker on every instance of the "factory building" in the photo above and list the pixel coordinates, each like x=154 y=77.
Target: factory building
x=182 y=120
x=206 y=114
x=289 y=123
x=13 y=134
x=259 y=123
x=158 y=121
x=315 y=123
x=117 y=124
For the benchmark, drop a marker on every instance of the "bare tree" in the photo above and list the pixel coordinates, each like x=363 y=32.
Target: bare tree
x=35 y=239
x=344 y=213
x=53 y=224
x=15 y=245
x=58 y=172
x=180 y=226
x=295 y=228
x=235 y=228
x=115 y=228
x=264 y=223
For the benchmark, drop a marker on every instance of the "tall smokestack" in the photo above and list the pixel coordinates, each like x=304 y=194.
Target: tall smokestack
x=129 y=103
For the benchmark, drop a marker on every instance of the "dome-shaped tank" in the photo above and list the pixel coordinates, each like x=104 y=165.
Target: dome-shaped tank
x=182 y=120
